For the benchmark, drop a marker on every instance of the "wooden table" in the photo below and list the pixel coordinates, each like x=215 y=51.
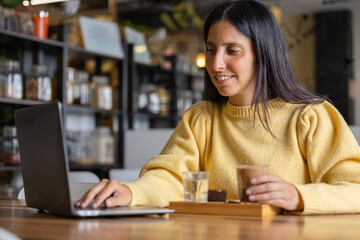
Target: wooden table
x=28 y=223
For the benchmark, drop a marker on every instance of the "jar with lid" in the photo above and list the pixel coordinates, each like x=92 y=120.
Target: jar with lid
x=26 y=25
x=184 y=101
x=153 y=99
x=140 y=99
x=81 y=88
x=101 y=92
x=10 y=19
x=82 y=146
x=2 y=77
x=164 y=98
x=12 y=84
x=10 y=148
x=70 y=79
x=2 y=18
x=71 y=145
x=102 y=146
x=38 y=85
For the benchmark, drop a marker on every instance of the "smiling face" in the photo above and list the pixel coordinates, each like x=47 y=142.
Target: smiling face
x=230 y=62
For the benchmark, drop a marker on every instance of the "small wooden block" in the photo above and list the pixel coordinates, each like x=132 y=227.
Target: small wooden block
x=222 y=208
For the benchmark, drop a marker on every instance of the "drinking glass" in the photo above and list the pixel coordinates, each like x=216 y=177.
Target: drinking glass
x=196 y=186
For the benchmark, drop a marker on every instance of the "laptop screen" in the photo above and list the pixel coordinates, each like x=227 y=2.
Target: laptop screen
x=43 y=157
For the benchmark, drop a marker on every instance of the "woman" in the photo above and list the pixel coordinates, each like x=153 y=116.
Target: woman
x=255 y=113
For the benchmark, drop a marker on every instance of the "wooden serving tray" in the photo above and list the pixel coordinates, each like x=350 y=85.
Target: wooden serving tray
x=225 y=208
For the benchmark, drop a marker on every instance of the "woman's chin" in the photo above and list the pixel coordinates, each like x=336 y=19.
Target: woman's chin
x=224 y=93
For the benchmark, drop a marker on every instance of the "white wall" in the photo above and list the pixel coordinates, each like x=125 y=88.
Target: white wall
x=141 y=146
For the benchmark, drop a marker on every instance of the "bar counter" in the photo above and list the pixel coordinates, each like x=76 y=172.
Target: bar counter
x=29 y=223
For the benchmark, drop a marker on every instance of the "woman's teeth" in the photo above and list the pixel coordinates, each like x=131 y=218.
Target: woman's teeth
x=222 y=78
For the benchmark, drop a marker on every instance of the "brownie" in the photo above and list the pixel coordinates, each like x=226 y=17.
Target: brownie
x=217 y=195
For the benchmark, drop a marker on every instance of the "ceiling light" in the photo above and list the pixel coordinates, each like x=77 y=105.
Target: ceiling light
x=26 y=3
x=37 y=2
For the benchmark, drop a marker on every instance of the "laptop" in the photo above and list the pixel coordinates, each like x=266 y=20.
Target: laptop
x=45 y=165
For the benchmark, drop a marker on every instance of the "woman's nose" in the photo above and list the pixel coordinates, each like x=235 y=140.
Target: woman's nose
x=218 y=62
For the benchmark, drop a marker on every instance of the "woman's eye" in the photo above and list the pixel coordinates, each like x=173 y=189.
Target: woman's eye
x=209 y=50
x=234 y=51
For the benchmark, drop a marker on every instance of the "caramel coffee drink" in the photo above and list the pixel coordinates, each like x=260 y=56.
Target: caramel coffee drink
x=244 y=175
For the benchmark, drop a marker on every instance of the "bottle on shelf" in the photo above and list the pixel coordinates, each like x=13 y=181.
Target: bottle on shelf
x=25 y=23
x=101 y=92
x=184 y=101
x=83 y=148
x=164 y=98
x=70 y=79
x=102 y=146
x=11 y=80
x=153 y=100
x=81 y=88
x=38 y=84
x=9 y=147
x=41 y=24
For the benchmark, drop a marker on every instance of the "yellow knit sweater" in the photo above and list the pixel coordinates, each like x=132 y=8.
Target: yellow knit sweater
x=314 y=149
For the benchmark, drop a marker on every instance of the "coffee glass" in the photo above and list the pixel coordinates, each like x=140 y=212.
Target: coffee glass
x=196 y=186
x=244 y=175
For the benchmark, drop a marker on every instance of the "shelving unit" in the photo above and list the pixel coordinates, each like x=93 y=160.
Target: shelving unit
x=172 y=79
x=56 y=55
x=29 y=49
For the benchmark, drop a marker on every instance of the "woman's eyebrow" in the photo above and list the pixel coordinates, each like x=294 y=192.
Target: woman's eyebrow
x=226 y=44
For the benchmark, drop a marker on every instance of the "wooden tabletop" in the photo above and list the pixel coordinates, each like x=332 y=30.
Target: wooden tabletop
x=28 y=223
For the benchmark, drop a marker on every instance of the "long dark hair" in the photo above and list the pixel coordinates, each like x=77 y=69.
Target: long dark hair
x=274 y=71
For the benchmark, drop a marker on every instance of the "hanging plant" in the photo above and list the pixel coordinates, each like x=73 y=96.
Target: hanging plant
x=10 y=3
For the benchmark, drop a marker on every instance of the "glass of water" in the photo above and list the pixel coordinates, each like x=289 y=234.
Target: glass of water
x=196 y=186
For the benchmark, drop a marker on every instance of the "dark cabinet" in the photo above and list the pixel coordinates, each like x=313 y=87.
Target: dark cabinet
x=334 y=61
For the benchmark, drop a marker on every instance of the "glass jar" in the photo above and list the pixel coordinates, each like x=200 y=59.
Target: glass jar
x=2 y=77
x=46 y=84
x=184 y=101
x=10 y=19
x=10 y=148
x=83 y=148
x=26 y=25
x=102 y=146
x=153 y=100
x=12 y=85
x=164 y=98
x=81 y=88
x=70 y=79
x=38 y=85
x=2 y=18
x=141 y=100
x=101 y=92
x=71 y=146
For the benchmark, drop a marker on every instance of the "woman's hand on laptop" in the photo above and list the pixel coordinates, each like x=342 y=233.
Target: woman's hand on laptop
x=109 y=192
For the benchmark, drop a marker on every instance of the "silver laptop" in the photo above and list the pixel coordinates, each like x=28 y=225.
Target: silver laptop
x=45 y=168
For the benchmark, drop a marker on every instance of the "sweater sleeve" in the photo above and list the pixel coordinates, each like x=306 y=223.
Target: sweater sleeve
x=332 y=155
x=160 y=179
